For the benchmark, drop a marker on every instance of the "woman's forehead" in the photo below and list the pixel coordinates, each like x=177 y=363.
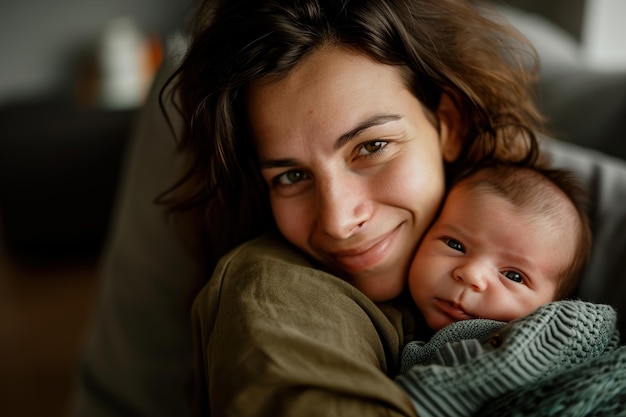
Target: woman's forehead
x=331 y=91
x=327 y=74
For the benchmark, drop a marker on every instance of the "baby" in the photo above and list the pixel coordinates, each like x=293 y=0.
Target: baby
x=508 y=243
x=507 y=240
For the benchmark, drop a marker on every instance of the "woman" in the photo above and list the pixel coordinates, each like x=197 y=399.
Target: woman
x=453 y=60
x=336 y=124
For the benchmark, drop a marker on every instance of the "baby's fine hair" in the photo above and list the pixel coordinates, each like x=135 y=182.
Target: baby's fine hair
x=536 y=190
x=442 y=46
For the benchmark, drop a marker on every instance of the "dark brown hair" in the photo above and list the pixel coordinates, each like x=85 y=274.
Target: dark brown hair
x=445 y=46
x=534 y=189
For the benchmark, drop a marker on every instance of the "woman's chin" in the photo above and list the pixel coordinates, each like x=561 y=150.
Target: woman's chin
x=379 y=287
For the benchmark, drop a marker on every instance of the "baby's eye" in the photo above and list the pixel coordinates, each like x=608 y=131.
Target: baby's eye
x=372 y=147
x=290 y=177
x=455 y=244
x=513 y=276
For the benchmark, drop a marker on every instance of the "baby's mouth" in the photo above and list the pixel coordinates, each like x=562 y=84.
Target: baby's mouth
x=453 y=310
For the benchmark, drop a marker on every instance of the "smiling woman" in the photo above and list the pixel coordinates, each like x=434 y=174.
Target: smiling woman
x=358 y=213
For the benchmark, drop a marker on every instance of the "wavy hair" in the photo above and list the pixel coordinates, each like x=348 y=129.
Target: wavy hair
x=444 y=46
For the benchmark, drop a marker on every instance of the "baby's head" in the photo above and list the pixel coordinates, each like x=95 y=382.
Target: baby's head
x=507 y=240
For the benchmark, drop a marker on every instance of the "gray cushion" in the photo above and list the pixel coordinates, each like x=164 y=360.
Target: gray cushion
x=582 y=105
x=604 y=280
x=587 y=108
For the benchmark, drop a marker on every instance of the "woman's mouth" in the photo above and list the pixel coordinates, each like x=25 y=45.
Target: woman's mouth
x=366 y=256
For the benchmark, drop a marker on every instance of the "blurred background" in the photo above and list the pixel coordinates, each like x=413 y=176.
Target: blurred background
x=73 y=75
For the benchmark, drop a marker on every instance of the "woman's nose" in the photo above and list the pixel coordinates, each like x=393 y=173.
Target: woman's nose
x=343 y=207
x=474 y=275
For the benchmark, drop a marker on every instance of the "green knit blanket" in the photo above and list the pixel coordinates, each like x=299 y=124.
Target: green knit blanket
x=562 y=360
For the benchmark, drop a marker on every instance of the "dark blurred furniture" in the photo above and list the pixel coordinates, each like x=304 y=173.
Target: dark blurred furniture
x=59 y=168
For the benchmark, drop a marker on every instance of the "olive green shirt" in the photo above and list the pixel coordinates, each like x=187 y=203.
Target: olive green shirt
x=278 y=337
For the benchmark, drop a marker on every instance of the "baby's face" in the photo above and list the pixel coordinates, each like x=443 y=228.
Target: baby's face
x=486 y=258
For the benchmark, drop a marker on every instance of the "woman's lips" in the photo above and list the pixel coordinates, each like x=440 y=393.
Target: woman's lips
x=453 y=310
x=366 y=256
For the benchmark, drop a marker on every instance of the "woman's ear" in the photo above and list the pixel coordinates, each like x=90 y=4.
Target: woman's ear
x=450 y=129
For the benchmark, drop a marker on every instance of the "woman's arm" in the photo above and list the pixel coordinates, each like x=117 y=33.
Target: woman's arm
x=277 y=337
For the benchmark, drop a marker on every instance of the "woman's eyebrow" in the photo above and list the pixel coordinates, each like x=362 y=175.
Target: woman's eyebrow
x=366 y=124
x=339 y=143
x=278 y=163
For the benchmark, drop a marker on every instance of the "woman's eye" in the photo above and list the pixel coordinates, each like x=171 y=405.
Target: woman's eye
x=455 y=244
x=372 y=147
x=290 y=177
x=513 y=276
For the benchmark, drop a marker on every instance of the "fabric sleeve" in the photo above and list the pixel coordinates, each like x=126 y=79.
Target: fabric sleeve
x=279 y=338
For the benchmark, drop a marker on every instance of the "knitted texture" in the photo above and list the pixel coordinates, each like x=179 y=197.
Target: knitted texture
x=421 y=352
x=463 y=375
x=593 y=389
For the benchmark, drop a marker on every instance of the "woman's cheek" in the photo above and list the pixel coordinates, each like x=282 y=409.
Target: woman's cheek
x=291 y=220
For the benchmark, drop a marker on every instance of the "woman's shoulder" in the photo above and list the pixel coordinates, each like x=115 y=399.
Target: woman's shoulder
x=269 y=247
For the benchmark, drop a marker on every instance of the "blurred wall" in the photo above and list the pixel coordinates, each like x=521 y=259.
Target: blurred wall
x=43 y=43
x=568 y=14
x=61 y=149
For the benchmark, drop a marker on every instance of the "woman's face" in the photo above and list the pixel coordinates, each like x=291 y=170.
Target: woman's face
x=353 y=163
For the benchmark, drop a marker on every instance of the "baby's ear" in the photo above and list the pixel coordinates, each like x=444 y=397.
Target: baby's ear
x=450 y=129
